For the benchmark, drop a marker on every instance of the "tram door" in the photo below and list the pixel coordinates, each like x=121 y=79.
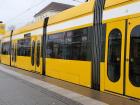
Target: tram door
x=133 y=59
x=36 y=55
x=114 y=61
x=13 y=53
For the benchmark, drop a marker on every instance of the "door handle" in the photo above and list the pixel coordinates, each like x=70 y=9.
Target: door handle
x=118 y=59
x=127 y=59
x=131 y=60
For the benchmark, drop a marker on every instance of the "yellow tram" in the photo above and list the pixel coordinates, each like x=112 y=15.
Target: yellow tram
x=2 y=32
x=65 y=47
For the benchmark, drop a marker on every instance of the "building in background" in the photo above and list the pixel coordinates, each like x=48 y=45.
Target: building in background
x=52 y=9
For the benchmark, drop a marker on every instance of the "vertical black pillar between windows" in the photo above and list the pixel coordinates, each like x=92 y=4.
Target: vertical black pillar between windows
x=96 y=42
x=44 y=45
x=10 y=48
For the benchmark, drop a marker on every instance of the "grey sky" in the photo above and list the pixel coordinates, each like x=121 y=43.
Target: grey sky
x=20 y=12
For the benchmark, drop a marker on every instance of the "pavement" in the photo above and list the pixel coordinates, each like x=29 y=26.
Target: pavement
x=20 y=89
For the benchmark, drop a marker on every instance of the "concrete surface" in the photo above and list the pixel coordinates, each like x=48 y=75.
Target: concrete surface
x=19 y=89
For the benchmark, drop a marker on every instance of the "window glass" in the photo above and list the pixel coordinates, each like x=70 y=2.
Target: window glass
x=114 y=55
x=24 y=47
x=55 y=46
x=13 y=52
x=134 y=65
x=103 y=43
x=6 y=48
x=33 y=53
x=71 y=45
x=38 y=54
x=27 y=46
x=20 y=48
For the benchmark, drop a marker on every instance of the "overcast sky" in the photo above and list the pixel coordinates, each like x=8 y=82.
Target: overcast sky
x=20 y=12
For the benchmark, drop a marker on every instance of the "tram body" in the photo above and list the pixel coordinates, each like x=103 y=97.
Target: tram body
x=2 y=33
x=68 y=48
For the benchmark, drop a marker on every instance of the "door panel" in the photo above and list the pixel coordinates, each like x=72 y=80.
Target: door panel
x=36 y=55
x=114 y=62
x=13 y=54
x=114 y=55
x=133 y=59
x=33 y=53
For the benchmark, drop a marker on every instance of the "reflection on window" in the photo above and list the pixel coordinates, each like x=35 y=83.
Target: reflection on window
x=114 y=55
x=33 y=53
x=6 y=48
x=24 y=47
x=13 y=52
x=72 y=45
x=38 y=54
x=134 y=68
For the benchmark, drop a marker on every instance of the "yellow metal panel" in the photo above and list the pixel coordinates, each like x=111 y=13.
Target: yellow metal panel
x=60 y=17
x=71 y=13
x=72 y=28
x=5 y=59
x=114 y=2
x=122 y=18
x=78 y=72
x=116 y=87
x=102 y=76
x=29 y=27
x=2 y=29
x=24 y=63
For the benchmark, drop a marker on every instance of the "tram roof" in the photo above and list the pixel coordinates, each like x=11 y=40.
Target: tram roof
x=69 y=14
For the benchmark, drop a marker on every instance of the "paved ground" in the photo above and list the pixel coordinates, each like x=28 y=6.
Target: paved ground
x=19 y=89
x=15 y=91
x=87 y=96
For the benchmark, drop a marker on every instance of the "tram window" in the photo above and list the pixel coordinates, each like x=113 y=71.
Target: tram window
x=38 y=54
x=20 y=47
x=24 y=47
x=12 y=52
x=103 y=43
x=6 y=48
x=114 y=55
x=27 y=45
x=33 y=51
x=55 y=46
x=72 y=45
x=77 y=44
x=134 y=72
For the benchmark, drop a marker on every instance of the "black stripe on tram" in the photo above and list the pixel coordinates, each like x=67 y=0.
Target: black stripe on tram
x=10 y=48
x=124 y=78
x=44 y=44
x=96 y=42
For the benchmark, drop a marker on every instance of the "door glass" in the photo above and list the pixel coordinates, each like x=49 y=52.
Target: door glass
x=12 y=52
x=134 y=66
x=38 y=54
x=15 y=53
x=114 y=55
x=33 y=51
